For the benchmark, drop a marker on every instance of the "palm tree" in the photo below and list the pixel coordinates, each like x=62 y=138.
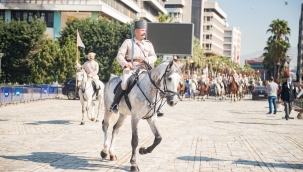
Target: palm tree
x=277 y=46
x=164 y=18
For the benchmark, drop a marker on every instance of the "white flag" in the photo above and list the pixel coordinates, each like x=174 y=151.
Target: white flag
x=79 y=41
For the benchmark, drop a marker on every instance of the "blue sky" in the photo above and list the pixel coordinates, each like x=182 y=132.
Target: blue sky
x=254 y=23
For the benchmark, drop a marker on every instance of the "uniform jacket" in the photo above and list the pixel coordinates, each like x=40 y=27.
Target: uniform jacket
x=288 y=94
x=142 y=49
x=91 y=68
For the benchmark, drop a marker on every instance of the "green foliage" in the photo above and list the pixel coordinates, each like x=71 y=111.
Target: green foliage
x=116 y=68
x=19 y=42
x=164 y=18
x=158 y=61
x=65 y=61
x=100 y=36
x=44 y=63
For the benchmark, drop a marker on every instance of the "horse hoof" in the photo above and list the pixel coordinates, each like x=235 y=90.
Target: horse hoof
x=97 y=120
x=82 y=123
x=103 y=155
x=92 y=119
x=142 y=151
x=134 y=168
x=113 y=157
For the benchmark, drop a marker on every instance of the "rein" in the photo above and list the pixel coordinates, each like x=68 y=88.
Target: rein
x=83 y=90
x=163 y=93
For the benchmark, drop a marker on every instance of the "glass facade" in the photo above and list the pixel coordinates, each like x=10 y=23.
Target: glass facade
x=47 y=16
x=196 y=17
x=2 y=14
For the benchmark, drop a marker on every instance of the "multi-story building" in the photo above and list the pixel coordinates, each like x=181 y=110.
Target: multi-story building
x=213 y=29
x=300 y=49
x=57 y=12
x=232 y=43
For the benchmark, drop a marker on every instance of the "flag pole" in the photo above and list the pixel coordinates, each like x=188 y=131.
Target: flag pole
x=76 y=85
x=77 y=46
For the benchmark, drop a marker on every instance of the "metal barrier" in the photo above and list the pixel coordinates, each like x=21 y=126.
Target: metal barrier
x=18 y=94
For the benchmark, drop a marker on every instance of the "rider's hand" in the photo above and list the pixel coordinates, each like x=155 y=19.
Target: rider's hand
x=129 y=65
x=146 y=59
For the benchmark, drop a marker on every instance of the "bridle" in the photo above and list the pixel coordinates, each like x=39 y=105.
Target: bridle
x=164 y=93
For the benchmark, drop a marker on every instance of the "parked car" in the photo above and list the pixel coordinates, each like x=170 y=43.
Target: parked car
x=259 y=92
x=69 y=89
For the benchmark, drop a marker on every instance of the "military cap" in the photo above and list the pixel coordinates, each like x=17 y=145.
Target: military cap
x=141 y=24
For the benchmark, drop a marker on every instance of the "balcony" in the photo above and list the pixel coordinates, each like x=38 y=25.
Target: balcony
x=68 y=5
x=147 y=15
x=211 y=51
x=179 y=2
x=157 y=4
x=132 y=5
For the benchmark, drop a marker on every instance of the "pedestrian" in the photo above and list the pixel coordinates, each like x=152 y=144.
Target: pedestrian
x=143 y=51
x=288 y=96
x=272 y=88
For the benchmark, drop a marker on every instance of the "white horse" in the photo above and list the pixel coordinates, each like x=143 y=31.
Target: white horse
x=219 y=92
x=86 y=92
x=154 y=85
x=192 y=89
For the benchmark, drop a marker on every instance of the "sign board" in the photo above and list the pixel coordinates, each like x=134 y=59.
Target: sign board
x=171 y=38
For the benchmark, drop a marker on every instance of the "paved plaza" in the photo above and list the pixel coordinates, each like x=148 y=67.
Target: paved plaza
x=197 y=136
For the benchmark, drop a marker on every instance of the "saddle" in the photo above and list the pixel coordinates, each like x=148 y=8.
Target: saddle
x=131 y=82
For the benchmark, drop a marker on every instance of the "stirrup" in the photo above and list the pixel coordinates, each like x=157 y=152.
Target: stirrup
x=114 y=108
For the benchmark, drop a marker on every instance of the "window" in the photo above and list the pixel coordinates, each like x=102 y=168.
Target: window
x=50 y=19
x=42 y=16
x=207 y=36
x=25 y=15
x=30 y=16
x=208 y=18
x=2 y=14
x=173 y=6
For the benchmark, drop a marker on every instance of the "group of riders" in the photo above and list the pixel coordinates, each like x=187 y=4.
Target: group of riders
x=223 y=80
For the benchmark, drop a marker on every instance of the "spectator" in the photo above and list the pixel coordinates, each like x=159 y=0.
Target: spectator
x=272 y=88
x=288 y=95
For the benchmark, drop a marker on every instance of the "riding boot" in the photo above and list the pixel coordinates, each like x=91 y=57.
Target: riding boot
x=117 y=98
x=97 y=92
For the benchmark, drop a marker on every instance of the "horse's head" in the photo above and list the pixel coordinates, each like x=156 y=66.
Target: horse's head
x=80 y=75
x=167 y=76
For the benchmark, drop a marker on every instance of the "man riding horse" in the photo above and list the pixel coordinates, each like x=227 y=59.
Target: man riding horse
x=194 y=78
x=220 y=80
x=143 y=51
x=236 y=77
x=91 y=68
x=203 y=78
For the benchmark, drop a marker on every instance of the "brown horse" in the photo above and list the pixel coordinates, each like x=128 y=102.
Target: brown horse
x=233 y=88
x=181 y=89
x=203 y=90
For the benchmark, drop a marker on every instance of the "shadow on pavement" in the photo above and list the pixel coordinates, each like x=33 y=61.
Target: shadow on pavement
x=258 y=123
x=244 y=162
x=3 y=120
x=65 y=122
x=224 y=121
x=65 y=161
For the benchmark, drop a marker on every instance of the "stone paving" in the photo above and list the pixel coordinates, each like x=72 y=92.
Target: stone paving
x=197 y=136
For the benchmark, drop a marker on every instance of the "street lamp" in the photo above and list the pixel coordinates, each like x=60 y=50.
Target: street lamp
x=1 y=55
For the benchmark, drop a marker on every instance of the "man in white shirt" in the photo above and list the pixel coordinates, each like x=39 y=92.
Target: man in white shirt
x=272 y=88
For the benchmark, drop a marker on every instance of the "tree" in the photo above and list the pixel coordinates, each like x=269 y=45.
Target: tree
x=277 y=46
x=19 y=42
x=44 y=63
x=65 y=61
x=102 y=36
x=164 y=18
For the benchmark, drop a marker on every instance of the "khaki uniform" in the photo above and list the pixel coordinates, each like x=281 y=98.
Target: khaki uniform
x=142 y=49
x=92 y=68
x=203 y=79
x=236 y=77
x=194 y=78
x=219 y=81
x=246 y=81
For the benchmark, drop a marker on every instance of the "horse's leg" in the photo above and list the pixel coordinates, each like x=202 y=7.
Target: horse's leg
x=93 y=110
x=83 y=108
x=116 y=127
x=135 y=141
x=100 y=103
x=105 y=124
x=158 y=138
